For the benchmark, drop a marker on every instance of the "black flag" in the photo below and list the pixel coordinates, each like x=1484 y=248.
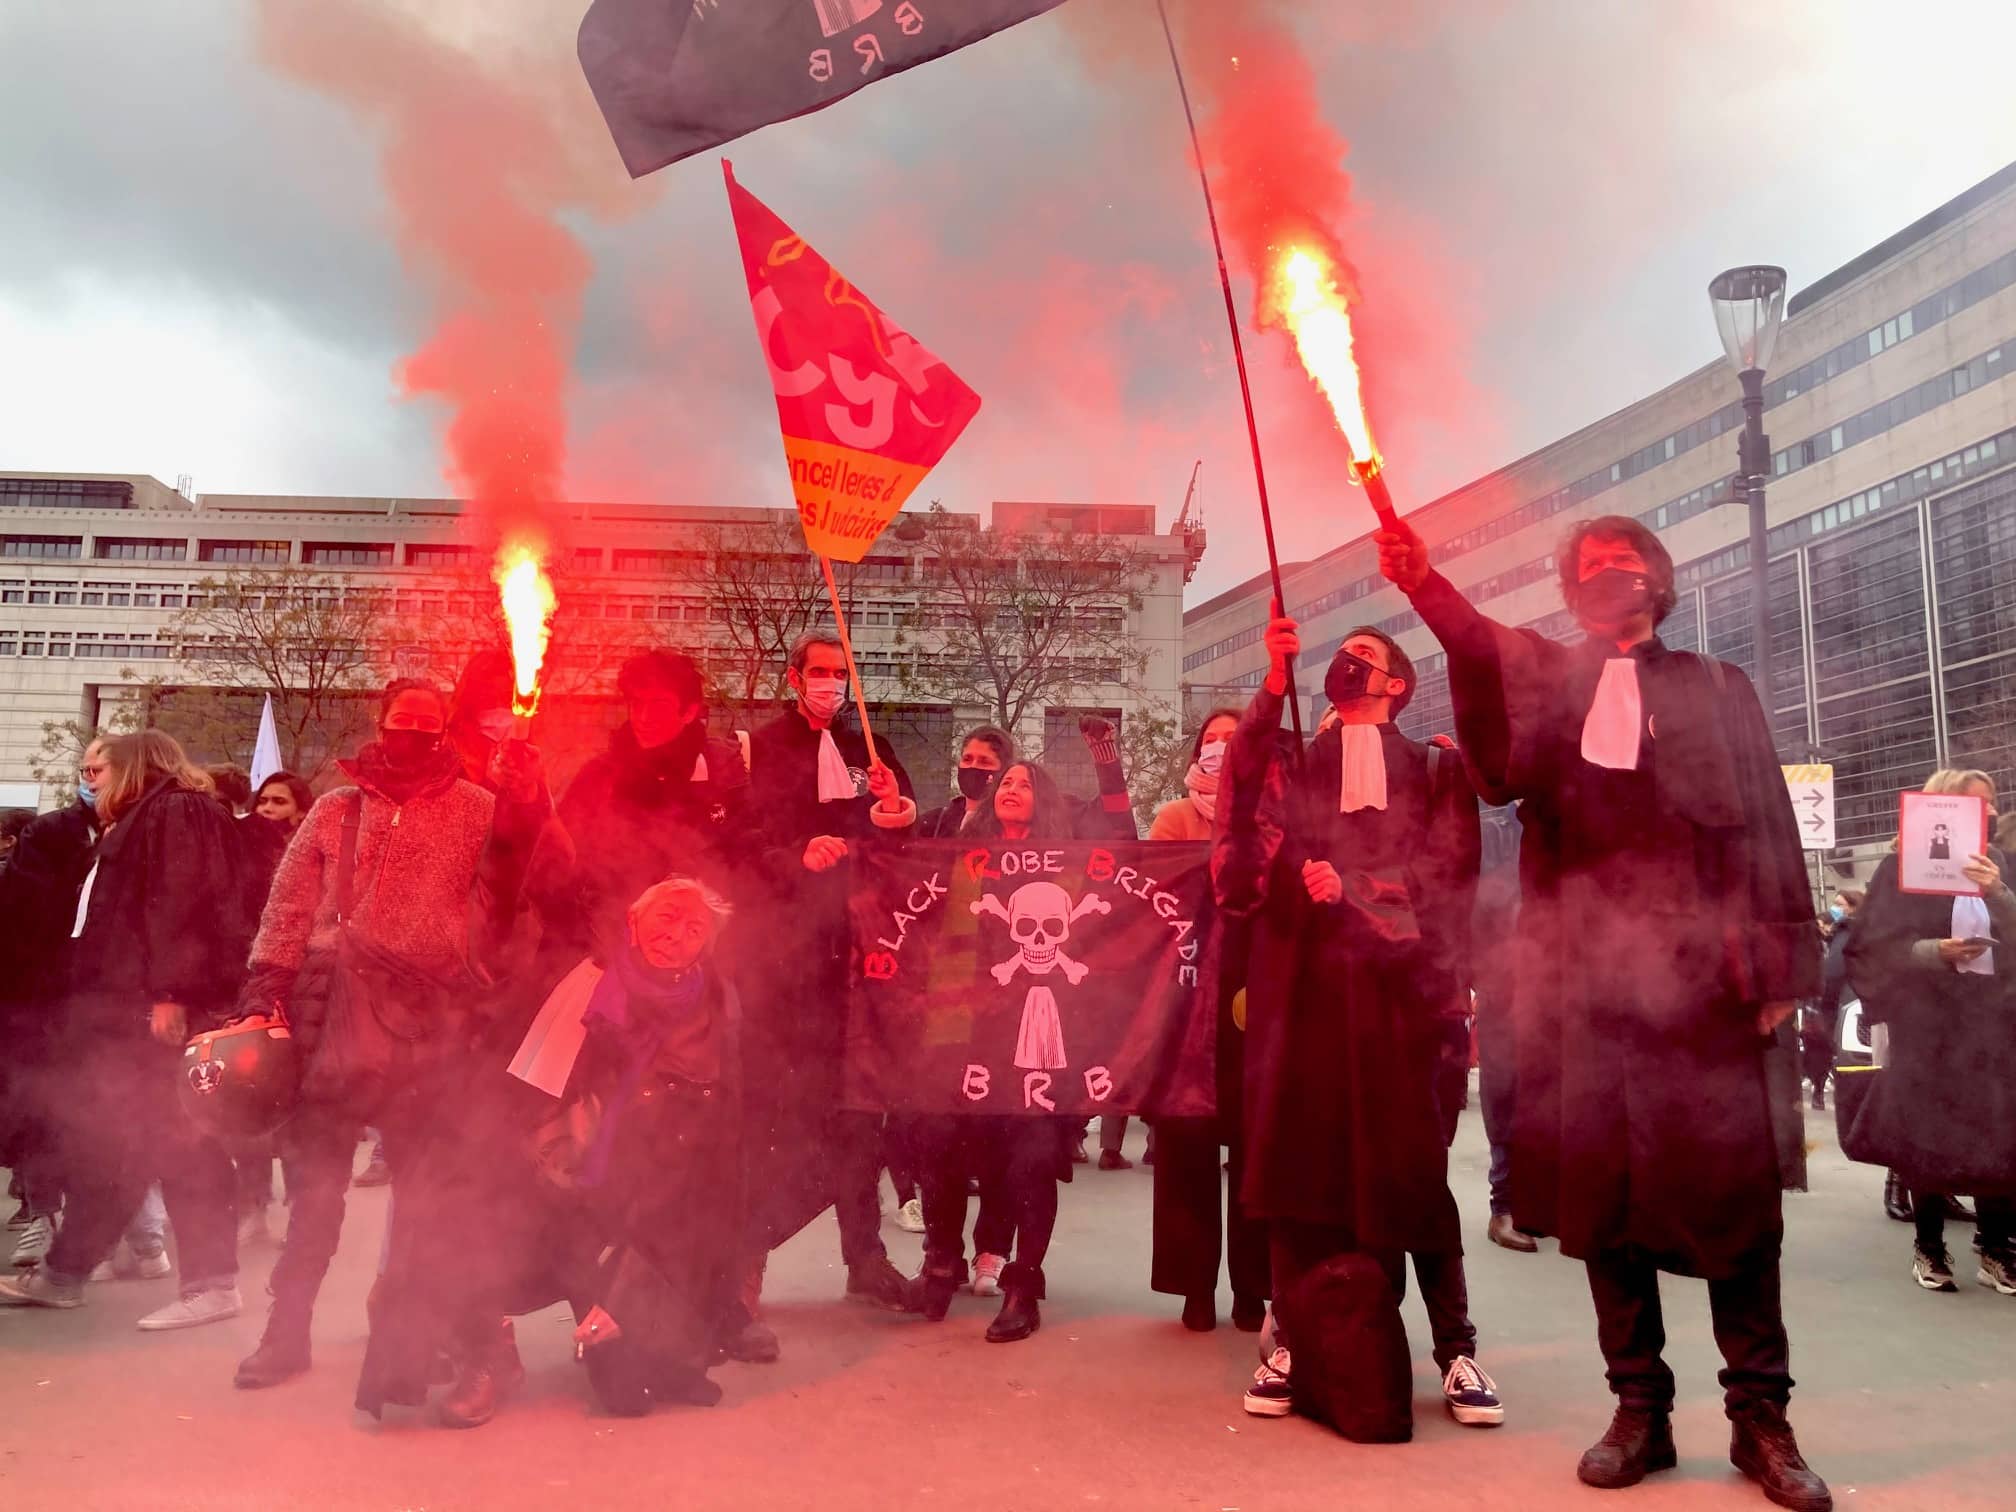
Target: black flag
x=675 y=77
x=1032 y=977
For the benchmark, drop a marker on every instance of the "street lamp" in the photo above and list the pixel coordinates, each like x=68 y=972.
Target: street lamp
x=1749 y=305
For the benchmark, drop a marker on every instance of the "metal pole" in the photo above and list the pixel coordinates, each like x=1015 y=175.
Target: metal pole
x=1755 y=459
x=1239 y=357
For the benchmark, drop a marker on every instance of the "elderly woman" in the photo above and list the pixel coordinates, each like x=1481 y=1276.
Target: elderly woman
x=602 y=1169
x=1940 y=973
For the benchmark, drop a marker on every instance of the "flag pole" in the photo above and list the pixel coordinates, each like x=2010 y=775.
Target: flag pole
x=1238 y=355
x=847 y=650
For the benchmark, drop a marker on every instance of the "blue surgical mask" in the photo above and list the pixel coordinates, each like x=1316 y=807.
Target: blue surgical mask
x=1837 y=913
x=86 y=793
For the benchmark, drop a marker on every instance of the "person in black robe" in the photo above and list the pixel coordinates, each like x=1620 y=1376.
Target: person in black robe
x=817 y=790
x=1665 y=934
x=1940 y=973
x=1357 y=865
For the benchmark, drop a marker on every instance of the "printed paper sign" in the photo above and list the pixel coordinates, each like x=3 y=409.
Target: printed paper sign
x=1812 y=791
x=866 y=410
x=1936 y=833
x=1032 y=978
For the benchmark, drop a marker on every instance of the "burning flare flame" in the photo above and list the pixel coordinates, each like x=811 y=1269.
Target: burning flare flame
x=526 y=594
x=1319 y=317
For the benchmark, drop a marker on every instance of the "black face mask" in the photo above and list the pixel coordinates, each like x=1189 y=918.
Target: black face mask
x=1613 y=596
x=1348 y=680
x=408 y=749
x=973 y=782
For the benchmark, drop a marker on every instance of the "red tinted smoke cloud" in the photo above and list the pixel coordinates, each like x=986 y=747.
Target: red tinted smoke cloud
x=482 y=153
x=1277 y=164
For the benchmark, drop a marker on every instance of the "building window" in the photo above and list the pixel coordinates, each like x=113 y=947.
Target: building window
x=141 y=549
x=45 y=546
x=440 y=556
x=66 y=493
x=347 y=553
x=244 y=551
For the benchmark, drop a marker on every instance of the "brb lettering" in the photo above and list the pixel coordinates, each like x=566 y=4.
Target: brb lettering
x=837 y=17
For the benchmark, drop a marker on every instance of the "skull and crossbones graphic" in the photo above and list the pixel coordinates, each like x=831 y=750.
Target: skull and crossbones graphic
x=1039 y=916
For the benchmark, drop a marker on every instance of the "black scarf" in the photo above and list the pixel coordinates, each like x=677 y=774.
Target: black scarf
x=652 y=778
x=437 y=774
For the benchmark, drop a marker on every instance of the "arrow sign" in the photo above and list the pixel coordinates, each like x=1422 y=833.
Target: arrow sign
x=1811 y=790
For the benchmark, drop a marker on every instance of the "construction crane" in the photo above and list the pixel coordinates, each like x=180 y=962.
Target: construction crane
x=1190 y=527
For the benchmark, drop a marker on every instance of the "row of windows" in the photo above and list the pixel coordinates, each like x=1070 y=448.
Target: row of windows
x=1901 y=409
x=1927 y=312
x=84 y=644
x=96 y=595
x=66 y=493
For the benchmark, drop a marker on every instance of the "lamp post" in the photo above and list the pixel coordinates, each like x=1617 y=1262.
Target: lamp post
x=1749 y=305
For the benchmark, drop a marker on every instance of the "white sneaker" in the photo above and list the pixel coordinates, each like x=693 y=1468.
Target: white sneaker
x=32 y=1248
x=123 y=1265
x=910 y=1216
x=196 y=1309
x=987 y=1274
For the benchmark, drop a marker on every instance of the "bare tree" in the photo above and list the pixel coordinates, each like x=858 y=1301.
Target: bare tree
x=762 y=590
x=298 y=635
x=1019 y=624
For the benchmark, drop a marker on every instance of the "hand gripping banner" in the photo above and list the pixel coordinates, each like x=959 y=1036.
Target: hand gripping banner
x=1031 y=977
x=866 y=411
x=675 y=77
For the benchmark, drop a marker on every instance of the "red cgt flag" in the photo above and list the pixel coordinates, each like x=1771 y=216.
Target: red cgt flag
x=866 y=410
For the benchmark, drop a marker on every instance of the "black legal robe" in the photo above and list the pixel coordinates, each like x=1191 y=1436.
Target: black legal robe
x=1345 y=1002
x=1663 y=907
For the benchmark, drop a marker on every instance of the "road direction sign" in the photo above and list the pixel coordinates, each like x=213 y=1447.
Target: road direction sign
x=1812 y=791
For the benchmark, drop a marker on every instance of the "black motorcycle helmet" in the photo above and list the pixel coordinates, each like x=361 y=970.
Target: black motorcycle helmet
x=241 y=1081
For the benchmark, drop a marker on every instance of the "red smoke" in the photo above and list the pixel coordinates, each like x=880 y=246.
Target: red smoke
x=483 y=150
x=1278 y=174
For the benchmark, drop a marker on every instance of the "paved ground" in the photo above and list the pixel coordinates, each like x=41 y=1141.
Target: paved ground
x=1903 y=1402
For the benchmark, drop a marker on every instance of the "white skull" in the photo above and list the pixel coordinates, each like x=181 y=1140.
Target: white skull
x=1039 y=920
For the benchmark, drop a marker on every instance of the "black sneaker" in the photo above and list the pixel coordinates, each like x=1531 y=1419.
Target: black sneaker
x=1270 y=1395
x=1472 y=1395
x=1932 y=1269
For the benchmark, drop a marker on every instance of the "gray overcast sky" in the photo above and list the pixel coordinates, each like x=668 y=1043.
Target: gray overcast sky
x=196 y=273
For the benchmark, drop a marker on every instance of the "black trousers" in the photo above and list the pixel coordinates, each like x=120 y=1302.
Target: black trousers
x=1018 y=1158
x=1498 y=1091
x=1816 y=1043
x=1298 y=1247
x=1994 y=1217
x=1198 y=1216
x=1749 y=1328
x=124 y=1132
x=317 y=1149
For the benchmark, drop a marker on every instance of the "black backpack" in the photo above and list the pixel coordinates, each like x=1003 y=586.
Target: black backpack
x=1351 y=1365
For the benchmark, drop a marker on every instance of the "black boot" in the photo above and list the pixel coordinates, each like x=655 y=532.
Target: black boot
x=880 y=1284
x=1761 y=1445
x=282 y=1353
x=1200 y=1313
x=934 y=1292
x=1019 y=1316
x=492 y=1372
x=1896 y=1197
x=1640 y=1441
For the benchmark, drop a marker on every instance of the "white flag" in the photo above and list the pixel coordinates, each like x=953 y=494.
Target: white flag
x=266 y=749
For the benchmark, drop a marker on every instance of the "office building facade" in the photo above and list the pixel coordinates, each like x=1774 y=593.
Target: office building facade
x=1892 y=514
